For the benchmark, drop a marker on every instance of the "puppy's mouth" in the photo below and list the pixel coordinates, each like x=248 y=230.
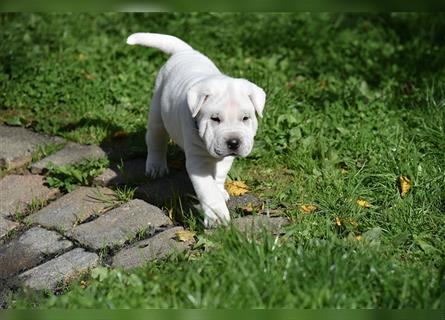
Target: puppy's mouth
x=221 y=154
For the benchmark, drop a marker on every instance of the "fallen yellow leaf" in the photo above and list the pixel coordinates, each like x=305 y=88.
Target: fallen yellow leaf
x=170 y=213
x=353 y=223
x=89 y=76
x=337 y=221
x=405 y=185
x=248 y=208
x=185 y=235
x=308 y=208
x=236 y=188
x=358 y=238
x=81 y=57
x=363 y=203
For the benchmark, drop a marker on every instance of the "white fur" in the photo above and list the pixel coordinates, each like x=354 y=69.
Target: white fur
x=190 y=95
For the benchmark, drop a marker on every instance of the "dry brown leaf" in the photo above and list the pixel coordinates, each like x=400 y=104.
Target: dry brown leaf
x=236 y=188
x=120 y=134
x=185 y=235
x=308 y=208
x=363 y=203
x=405 y=185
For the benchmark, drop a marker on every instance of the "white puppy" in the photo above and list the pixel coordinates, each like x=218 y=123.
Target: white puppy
x=209 y=115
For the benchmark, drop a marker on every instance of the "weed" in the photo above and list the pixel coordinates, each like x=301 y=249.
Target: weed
x=183 y=210
x=46 y=150
x=32 y=207
x=124 y=194
x=67 y=177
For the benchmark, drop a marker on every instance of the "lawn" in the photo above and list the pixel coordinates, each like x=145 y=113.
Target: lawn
x=356 y=102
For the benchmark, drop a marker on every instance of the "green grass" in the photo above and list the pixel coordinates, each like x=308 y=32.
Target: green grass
x=354 y=101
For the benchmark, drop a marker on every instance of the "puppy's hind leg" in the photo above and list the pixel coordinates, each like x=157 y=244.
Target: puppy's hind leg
x=156 y=139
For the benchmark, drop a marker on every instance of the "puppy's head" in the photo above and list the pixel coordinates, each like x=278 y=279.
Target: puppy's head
x=224 y=109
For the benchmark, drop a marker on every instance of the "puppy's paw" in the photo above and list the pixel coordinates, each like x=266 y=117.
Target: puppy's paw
x=218 y=215
x=212 y=222
x=224 y=193
x=156 y=170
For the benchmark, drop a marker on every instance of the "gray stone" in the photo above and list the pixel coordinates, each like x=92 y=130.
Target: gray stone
x=257 y=223
x=156 y=247
x=72 y=153
x=74 y=208
x=5 y=295
x=246 y=201
x=17 y=192
x=60 y=270
x=162 y=191
x=6 y=226
x=18 y=145
x=131 y=172
x=129 y=147
x=120 y=225
x=31 y=248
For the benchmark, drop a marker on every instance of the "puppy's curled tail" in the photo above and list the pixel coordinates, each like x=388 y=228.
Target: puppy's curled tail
x=163 y=42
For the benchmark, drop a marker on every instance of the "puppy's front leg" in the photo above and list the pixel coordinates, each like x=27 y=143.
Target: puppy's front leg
x=201 y=170
x=222 y=169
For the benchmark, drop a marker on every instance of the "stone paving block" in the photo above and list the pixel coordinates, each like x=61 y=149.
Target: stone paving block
x=59 y=270
x=119 y=225
x=256 y=223
x=6 y=226
x=245 y=201
x=162 y=191
x=73 y=208
x=132 y=172
x=18 y=145
x=129 y=147
x=17 y=191
x=31 y=248
x=156 y=247
x=72 y=153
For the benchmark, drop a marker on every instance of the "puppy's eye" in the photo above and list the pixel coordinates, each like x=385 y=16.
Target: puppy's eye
x=216 y=119
x=246 y=118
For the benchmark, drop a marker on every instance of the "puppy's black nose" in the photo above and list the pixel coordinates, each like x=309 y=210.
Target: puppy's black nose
x=233 y=144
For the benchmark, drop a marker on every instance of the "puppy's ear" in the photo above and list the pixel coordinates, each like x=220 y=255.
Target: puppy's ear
x=258 y=98
x=196 y=97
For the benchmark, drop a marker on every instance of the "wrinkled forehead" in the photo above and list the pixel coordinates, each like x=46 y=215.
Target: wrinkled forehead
x=231 y=97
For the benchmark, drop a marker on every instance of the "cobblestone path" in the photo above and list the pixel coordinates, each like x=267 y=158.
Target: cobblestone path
x=48 y=238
